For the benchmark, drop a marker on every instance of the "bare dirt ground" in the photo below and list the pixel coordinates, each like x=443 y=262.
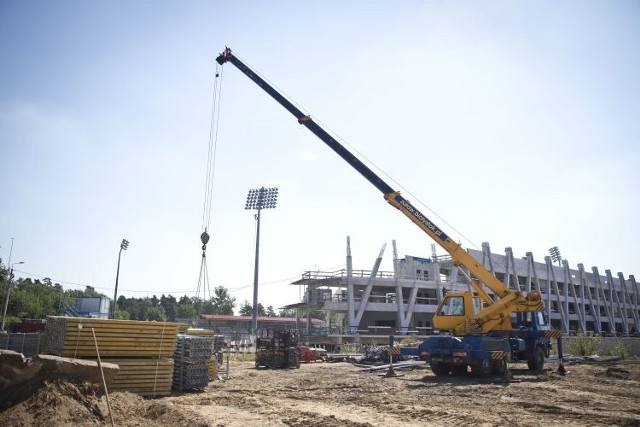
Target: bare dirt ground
x=341 y=394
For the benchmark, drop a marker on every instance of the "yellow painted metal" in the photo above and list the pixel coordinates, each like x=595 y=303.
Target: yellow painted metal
x=493 y=317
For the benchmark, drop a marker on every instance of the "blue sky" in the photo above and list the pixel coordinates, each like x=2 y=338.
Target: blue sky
x=517 y=123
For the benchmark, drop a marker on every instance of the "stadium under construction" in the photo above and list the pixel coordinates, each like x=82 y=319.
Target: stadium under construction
x=402 y=302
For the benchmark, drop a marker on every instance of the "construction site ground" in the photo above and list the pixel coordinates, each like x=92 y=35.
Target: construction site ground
x=343 y=394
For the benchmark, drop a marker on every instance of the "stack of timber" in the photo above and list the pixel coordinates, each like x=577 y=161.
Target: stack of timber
x=72 y=337
x=143 y=350
x=191 y=362
x=143 y=376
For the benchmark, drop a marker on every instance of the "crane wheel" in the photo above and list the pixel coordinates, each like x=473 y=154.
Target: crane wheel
x=440 y=369
x=499 y=367
x=536 y=360
x=482 y=368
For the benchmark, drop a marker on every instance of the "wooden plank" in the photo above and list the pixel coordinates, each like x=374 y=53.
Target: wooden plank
x=142 y=381
x=147 y=346
x=121 y=341
x=117 y=353
x=149 y=378
x=146 y=390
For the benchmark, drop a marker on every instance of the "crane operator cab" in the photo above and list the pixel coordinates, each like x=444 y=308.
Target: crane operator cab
x=455 y=309
x=458 y=313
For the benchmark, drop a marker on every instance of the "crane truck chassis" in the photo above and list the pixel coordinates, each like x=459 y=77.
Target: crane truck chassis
x=480 y=333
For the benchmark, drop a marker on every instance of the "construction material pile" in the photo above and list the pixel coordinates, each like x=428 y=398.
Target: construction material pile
x=282 y=350
x=143 y=376
x=374 y=354
x=191 y=362
x=217 y=342
x=143 y=350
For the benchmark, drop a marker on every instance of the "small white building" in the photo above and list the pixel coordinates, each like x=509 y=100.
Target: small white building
x=95 y=307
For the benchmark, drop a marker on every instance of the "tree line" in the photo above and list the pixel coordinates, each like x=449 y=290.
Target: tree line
x=36 y=299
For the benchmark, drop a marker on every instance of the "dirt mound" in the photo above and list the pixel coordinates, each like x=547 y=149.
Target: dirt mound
x=68 y=403
x=312 y=420
x=340 y=394
x=620 y=373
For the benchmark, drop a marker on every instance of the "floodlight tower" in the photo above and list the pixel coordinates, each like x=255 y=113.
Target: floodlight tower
x=555 y=255
x=258 y=199
x=123 y=247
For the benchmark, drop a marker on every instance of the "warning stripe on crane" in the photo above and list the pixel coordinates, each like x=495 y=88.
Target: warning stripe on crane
x=553 y=334
x=393 y=351
x=499 y=355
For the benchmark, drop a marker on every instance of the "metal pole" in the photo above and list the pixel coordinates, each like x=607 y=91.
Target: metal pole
x=254 y=319
x=115 y=294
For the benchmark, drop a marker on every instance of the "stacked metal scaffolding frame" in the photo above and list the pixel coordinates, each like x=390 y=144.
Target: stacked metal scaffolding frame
x=280 y=350
x=191 y=362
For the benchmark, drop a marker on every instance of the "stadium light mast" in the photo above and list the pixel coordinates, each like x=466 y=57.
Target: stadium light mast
x=123 y=247
x=259 y=199
x=555 y=255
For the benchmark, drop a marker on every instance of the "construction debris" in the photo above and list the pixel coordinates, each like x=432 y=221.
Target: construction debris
x=374 y=354
x=20 y=376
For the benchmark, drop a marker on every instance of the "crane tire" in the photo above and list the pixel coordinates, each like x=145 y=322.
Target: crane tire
x=536 y=360
x=499 y=367
x=440 y=369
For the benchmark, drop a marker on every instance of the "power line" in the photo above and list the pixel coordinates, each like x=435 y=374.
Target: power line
x=64 y=282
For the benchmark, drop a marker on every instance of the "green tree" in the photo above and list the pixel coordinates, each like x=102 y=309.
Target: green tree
x=246 y=309
x=223 y=303
x=122 y=315
x=170 y=306
x=157 y=314
x=88 y=292
x=270 y=312
x=186 y=311
x=139 y=308
x=287 y=312
x=35 y=299
x=4 y=272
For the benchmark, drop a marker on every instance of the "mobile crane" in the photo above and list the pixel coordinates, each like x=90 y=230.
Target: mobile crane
x=479 y=334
